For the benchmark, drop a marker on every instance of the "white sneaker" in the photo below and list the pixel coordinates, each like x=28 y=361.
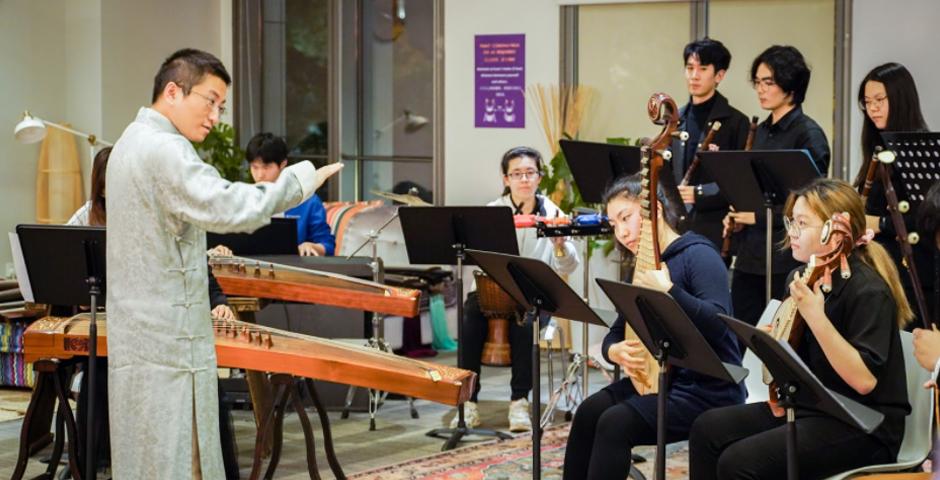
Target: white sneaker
x=471 y=416
x=519 y=416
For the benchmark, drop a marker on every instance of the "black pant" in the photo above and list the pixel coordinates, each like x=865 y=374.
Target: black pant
x=748 y=442
x=475 y=330
x=749 y=294
x=604 y=431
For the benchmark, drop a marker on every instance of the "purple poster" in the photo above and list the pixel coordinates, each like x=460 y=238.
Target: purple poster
x=499 y=78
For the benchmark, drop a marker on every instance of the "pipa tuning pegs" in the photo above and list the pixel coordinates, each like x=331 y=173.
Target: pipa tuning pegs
x=904 y=206
x=913 y=238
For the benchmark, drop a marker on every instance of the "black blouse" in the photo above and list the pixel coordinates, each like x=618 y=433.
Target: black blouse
x=863 y=311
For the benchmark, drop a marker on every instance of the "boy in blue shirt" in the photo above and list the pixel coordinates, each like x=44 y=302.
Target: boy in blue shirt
x=267 y=156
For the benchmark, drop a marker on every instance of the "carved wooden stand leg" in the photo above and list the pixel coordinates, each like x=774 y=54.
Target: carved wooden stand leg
x=289 y=389
x=52 y=375
x=262 y=400
x=327 y=432
x=259 y=388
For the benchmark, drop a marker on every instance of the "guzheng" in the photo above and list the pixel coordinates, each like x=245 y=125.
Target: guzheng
x=251 y=278
x=254 y=347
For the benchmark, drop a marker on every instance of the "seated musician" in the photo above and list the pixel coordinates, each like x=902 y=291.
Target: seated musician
x=609 y=423
x=706 y=63
x=851 y=342
x=888 y=97
x=780 y=77
x=267 y=157
x=522 y=169
x=93 y=213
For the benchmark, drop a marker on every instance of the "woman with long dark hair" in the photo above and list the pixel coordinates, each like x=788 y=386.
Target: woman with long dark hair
x=888 y=98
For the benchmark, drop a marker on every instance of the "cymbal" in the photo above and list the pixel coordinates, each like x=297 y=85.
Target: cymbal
x=411 y=200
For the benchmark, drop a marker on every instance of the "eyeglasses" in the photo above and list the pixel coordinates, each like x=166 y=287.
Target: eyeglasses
x=874 y=102
x=796 y=227
x=211 y=102
x=762 y=83
x=516 y=176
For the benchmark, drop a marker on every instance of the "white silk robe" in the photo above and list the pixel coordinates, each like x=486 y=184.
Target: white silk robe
x=161 y=199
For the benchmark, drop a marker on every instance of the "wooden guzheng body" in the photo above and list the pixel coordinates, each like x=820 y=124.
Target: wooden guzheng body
x=252 y=347
x=250 y=278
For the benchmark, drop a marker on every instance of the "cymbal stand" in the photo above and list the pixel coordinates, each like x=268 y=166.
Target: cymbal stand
x=377 y=340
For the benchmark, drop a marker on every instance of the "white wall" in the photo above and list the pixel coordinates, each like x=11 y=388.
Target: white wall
x=903 y=31
x=472 y=155
x=32 y=63
x=89 y=63
x=137 y=36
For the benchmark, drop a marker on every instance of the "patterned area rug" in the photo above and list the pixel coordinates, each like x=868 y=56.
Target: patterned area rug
x=510 y=459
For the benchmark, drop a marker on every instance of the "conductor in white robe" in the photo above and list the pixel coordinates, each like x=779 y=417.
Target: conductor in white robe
x=162 y=198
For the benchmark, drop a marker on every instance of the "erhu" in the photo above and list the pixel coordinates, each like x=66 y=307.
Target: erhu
x=663 y=111
x=726 y=241
x=884 y=159
x=712 y=131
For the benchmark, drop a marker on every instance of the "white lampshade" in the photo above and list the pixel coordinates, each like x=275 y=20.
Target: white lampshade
x=30 y=129
x=414 y=122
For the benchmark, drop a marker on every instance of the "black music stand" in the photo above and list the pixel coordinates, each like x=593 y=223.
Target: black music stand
x=536 y=286
x=66 y=266
x=595 y=165
x=756 y=179
x=441 y=236
x=276 y=238
x=917 y=160
x=798 y=387
x=669 y=334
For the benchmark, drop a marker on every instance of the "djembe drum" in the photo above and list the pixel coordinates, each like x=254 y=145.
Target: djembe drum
x=498 y=307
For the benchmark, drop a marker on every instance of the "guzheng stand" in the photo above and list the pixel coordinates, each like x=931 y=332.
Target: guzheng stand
x=594 y=167
x=441 y=236
x=668 y=333
x=760 y=179
x=917 y=160
x=537 y=287
x=66 y=266
x=798 y=387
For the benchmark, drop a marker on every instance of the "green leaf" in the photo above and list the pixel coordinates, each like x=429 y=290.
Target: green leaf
x=219 y=150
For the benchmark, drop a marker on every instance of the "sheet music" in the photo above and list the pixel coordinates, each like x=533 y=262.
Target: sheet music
x=769 y=311
x=22 y=276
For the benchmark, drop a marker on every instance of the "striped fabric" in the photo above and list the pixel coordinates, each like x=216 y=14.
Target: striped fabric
x=338 y=215
x=13 y=370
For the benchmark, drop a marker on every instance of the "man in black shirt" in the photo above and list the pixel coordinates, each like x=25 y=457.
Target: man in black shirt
x=706 y=63
x=780 y=77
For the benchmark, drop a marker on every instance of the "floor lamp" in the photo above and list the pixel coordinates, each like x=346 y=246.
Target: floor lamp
x=32 y=129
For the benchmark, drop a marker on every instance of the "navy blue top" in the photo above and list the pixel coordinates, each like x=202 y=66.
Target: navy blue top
x=700 y=287
x=311 y=224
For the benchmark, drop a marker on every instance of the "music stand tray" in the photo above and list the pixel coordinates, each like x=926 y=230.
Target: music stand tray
x=537 y=287
x=595 y=166
x=441 y=236
x=798 y=387
x=669 y=334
